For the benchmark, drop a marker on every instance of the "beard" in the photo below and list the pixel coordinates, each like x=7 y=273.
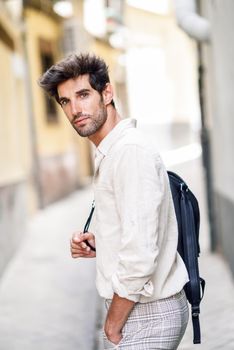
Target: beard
x=95 y=122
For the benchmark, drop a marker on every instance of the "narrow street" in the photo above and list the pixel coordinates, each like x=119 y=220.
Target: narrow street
x=170 y=66
x=48 y=301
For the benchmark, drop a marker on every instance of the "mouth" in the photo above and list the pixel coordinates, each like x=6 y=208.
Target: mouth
x=80 y=121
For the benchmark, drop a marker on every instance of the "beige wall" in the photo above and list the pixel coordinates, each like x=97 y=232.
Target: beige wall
x=56 y=136
x=53 y=138
x=14 y=154
x=14 y=146
x=63 y=157
x=169 y=77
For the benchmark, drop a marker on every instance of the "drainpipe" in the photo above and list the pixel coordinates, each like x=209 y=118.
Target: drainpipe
x=188 y=20
x=198 y=28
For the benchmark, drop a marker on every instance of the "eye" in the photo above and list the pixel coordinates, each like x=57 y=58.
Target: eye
x=84 y=94
x=63 y=102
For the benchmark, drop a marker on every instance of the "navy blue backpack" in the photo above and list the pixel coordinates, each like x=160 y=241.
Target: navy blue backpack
x=188 y=219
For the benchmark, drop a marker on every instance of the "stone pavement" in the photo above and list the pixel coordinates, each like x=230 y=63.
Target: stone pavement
x=48 y=301
x=217 y=307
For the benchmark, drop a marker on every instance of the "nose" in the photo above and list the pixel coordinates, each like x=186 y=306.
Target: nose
x=75 y=109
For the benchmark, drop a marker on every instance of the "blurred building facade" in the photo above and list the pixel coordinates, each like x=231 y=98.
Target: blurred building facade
x=211 y=24
x=61 y=161
x=14 y=146
x=41 y=158
x=161 y=64
x=153 y=63
x=217 y=60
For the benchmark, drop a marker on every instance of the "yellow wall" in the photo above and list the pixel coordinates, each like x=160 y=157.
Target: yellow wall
x=60 y=149
x=53 y=138
x=14 y=155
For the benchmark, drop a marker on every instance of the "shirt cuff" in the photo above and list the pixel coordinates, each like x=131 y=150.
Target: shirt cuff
x=129 y=293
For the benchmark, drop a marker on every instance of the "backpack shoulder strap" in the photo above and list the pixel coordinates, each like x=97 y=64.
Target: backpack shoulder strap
x=188 y=219
x=190 y=250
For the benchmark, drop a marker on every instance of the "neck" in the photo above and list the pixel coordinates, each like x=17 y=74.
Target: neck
x=113 y=118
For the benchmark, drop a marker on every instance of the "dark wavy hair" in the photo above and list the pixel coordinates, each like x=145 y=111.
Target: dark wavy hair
x=72 y=67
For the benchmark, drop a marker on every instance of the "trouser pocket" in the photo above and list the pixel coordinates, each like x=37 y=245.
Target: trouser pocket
x=108 y=345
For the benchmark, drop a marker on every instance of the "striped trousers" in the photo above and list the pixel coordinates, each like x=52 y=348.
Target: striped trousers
x=157 y=325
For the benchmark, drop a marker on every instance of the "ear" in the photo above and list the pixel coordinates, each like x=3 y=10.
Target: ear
x=107 y=94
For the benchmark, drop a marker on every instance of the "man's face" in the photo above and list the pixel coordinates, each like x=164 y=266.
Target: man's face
x=83 y=106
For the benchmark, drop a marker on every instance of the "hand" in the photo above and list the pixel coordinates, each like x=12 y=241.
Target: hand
x=114 y=338
x=79 y=248
x=117 y=316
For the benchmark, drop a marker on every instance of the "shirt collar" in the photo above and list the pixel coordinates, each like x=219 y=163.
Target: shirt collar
x=114 y=135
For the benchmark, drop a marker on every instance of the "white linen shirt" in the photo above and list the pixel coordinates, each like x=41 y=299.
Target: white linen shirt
x=136 y=230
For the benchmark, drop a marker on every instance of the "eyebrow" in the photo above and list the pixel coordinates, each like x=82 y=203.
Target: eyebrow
x=82 y=90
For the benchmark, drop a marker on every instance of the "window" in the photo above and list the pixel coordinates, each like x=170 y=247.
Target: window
x=47 y=60
x=117 y=5
x=114 y=15
x=6 y=38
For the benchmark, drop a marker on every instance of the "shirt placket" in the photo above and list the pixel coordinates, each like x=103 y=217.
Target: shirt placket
x=97 y=161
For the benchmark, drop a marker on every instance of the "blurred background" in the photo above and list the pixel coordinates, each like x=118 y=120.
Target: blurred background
x=171 y=64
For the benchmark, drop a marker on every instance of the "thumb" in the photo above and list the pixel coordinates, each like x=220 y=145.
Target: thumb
x=87 y=235
x=78 y=238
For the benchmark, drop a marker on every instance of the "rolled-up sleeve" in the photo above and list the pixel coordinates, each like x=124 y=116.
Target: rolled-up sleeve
x=139 y=189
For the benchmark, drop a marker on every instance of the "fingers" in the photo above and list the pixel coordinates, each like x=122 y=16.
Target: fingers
x=79 y=248
x=80 y=237
x=83 y=254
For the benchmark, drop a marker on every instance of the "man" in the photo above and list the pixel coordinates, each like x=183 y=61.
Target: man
x=139 y=272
